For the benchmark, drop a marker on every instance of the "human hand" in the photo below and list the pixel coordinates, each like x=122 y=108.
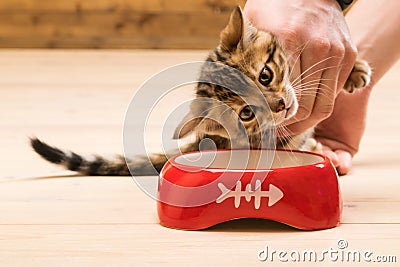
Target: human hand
x=315 y=36
x=341 y=133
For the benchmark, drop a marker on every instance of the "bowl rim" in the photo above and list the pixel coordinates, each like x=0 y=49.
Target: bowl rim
x=324 y=160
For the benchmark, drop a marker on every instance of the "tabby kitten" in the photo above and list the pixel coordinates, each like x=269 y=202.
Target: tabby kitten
x=257 y=55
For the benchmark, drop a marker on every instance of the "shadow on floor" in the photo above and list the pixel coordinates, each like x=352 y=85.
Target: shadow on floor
x=252 y=225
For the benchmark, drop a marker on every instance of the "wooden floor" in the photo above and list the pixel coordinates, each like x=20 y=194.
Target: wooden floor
x=78 y=99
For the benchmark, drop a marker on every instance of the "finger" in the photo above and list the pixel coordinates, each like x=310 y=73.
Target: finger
x=325 y=88
x=298 y=127
x=349 y=57
x=325 y=98
x=294 y=53
x=331 y=155
x=295 y=66
x=345 y=162
x=313 y=62
x=347 y=65
x=309 y=92
x=341 y=159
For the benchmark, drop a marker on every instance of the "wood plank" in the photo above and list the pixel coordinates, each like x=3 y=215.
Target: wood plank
x=113 y=24
x=78 y=69
x=77 y=99
x=152 y=6
x=150 y=245
x=118 y=29
x=72 y=200
x=108 y=43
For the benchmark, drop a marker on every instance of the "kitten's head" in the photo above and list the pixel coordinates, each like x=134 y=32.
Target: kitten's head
x=257 y=55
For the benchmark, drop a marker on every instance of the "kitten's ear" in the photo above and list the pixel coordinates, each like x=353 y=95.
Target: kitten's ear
x=238 y=33
x=199 y=125
x=232 y=34
x=186 y=126
x=199 y=121
x=193 y=119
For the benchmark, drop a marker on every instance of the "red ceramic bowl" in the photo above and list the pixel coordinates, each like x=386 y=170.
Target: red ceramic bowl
x=201 y=189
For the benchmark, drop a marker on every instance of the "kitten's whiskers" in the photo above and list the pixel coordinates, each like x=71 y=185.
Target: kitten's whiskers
x=298 y=56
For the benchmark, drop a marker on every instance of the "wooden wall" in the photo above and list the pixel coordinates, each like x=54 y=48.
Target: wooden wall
x=113 y=23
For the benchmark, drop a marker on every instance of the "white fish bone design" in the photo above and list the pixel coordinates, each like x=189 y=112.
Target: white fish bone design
x=274 y=194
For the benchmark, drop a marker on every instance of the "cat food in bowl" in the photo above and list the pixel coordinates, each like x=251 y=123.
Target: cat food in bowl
x=201 y=189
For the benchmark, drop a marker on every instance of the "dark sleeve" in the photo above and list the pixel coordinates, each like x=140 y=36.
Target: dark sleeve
x=344 y=3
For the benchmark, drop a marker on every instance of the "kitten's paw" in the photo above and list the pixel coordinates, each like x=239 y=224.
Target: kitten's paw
x=313 y=145
x=359 y=77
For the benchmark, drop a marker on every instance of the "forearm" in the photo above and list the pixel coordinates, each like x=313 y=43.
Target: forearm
x=375 y=29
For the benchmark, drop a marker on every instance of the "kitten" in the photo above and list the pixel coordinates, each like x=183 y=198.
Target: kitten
x=253 y=53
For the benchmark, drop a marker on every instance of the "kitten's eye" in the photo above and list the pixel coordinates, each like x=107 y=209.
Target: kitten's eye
x=265 y=77
x=246 y=114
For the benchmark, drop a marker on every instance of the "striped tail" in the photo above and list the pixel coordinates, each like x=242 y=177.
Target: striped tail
x=100 y=166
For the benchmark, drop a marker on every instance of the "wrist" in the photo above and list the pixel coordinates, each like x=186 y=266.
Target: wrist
x=345 y=127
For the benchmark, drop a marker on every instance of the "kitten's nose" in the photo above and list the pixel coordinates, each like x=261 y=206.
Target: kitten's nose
x=279 y=105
